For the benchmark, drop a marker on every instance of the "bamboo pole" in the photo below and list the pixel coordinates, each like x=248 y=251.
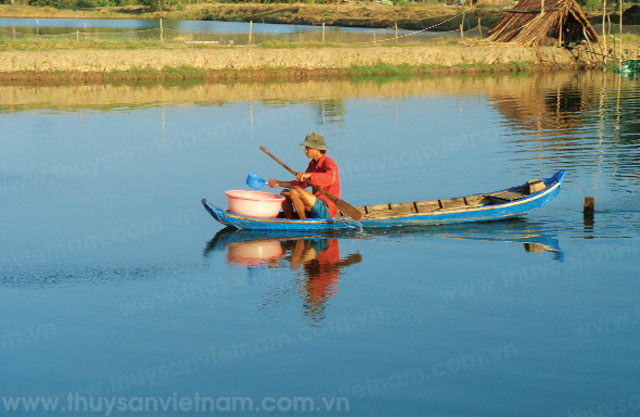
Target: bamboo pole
x=620 y=33
x=560 y=34
x=604 y=31
x=323 y=30
x=250 y=31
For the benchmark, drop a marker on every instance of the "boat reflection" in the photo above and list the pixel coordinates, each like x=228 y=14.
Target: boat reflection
x=317 y=254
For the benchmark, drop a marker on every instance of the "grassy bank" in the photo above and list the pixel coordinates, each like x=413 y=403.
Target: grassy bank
x=382 y=71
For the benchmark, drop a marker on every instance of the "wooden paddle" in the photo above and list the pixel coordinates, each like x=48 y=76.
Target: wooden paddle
x=345 y=207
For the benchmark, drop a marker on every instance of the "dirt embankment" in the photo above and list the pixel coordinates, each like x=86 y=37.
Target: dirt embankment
x=292 y=62
x=356 y=15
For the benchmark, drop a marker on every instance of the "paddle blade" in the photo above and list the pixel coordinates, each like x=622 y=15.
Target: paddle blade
x=348 y=209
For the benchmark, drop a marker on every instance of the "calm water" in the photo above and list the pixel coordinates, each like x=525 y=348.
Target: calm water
x=116 y=282
x=121 y=29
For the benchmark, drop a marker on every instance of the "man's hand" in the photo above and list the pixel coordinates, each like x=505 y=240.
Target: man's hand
x=273 y=183
x=303 y=176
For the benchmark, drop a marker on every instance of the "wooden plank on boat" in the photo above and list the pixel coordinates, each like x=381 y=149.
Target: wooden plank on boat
x=453 y=203
x=427 y=206
x=508 y=195
x=402 y=208
x=476 y=200
x=533 y=186
x=379 y=210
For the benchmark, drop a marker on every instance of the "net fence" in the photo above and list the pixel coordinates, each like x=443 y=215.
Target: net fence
x=248 y=36
x=245 y=34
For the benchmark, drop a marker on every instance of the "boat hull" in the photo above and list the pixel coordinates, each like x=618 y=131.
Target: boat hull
x=471 y=214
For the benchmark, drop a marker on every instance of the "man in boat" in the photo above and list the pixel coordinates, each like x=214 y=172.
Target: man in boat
x=322 y=172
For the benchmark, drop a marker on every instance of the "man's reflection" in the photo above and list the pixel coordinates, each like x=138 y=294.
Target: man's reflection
x=320 y=260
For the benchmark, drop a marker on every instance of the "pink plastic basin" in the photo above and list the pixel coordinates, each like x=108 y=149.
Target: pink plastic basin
x=254 y=203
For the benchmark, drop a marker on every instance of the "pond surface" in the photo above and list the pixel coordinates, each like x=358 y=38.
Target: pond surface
x=200 y=30
x=116 y=282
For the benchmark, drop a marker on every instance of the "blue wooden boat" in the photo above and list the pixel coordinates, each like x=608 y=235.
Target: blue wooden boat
x=499 y=205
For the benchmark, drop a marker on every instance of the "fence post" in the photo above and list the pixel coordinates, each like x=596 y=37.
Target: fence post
x=396 y=25
x=161 y=32
x=250 y=31
x=323 y=32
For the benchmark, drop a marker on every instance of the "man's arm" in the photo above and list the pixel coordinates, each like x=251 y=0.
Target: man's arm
x=273 y=183
x=299 y=182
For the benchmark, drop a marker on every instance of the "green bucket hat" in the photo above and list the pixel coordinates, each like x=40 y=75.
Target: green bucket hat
x=314 y=141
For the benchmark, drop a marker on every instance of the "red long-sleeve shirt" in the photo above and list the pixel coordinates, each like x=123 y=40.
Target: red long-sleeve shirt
x=324 y=174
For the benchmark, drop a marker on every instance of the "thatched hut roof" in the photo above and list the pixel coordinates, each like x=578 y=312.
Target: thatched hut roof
x=533 y=21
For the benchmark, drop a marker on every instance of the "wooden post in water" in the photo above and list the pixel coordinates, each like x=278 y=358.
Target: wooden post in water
x=480 y=26
x=37 y=26
x=323 y=31
x=396 y=24
x=161 y=32
x=250 y=31
x=462 y=27
x=374 y=36
x=588 y=207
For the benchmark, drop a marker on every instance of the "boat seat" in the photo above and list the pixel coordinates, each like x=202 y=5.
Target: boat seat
x=506 y=196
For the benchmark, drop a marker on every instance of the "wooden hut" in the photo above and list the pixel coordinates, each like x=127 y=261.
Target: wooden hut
x=534 y=22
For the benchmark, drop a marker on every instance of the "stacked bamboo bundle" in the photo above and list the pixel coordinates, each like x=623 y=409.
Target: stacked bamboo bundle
x=532 y=22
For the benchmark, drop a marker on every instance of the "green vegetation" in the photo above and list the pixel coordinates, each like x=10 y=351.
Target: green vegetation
x=383 y=69
x=36 y=44
x=275 y=44
x=183 y=72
